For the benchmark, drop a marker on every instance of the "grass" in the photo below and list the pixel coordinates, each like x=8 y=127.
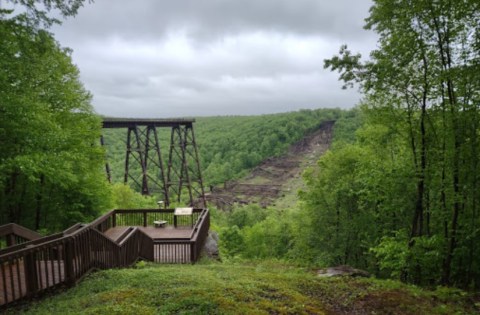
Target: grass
x=242 y=288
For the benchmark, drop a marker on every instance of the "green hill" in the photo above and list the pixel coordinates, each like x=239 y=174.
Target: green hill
x=266 y=288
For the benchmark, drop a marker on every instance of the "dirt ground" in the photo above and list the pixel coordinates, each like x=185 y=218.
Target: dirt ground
x=269 y=180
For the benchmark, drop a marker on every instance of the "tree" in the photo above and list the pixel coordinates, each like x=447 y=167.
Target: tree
x=50 y=165
x=37 y=11
x=425 y=71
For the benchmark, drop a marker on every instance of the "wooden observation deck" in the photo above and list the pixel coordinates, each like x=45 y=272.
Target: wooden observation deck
x=31 y=265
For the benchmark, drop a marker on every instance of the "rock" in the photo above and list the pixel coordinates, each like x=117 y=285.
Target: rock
x=211 y=245
x=342 y=271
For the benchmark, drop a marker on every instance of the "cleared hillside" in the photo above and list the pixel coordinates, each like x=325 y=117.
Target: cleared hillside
x=275 y=177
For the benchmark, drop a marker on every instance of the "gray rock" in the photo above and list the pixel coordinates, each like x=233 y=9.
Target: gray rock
x=211 y=245
x=342 y=271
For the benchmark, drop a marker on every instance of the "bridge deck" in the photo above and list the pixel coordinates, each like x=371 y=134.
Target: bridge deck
x=111 y=122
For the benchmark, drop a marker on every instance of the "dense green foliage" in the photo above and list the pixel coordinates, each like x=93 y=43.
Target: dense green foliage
x=124 y=197
x=404 y=197
x=265 y=288
x=230 y=146
x=50 y=169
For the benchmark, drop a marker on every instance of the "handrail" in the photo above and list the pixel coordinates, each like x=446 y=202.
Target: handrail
x=42 y=239
x=73 y=228
x=125 y=235
x=199 y=222
x=13 y=228
x=102 y=218
x=152 y=210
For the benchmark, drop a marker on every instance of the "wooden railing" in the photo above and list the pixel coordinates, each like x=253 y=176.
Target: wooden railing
x=200 y=233
x=12 y=234
x=33 y=267
x=143 y=217
x=184 y=250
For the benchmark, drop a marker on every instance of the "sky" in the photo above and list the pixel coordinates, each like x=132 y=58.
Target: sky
x=187 y=58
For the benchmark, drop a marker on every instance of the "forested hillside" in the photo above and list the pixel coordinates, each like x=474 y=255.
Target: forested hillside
x=285 y=230
x=231 y=145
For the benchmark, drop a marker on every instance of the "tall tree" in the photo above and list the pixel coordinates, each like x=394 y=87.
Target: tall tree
x=50 y=167
x=426 y=70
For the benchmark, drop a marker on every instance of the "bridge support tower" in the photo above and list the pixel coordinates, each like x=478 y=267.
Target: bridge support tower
x=179 y=179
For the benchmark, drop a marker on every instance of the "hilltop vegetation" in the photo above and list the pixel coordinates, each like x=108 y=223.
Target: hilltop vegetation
x=264 y=288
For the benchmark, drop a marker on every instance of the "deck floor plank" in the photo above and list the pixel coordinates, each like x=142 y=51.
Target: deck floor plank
x=168 y=232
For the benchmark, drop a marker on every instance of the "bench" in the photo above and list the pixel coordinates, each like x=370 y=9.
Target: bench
x=159 y=224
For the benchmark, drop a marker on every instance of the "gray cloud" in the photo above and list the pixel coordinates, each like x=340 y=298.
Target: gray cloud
x=213 y=57
x=208 y=18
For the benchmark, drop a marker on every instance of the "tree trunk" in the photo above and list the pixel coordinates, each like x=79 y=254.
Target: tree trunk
x=39 y=202
x=10 y=194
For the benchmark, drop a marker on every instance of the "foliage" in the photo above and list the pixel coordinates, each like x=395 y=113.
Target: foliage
x=346 y=201
x=36 y=12
x=263 y=288
x=415 y=200
x=125 y=197
x=232 y=242
x=346 y=125
x=229 y=146
x=50 y=169
x=250 y=232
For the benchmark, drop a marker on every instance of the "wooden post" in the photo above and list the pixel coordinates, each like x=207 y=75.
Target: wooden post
x=31 y=277
x=192 y=252
x=10 y=240
x=144 y=219
x=68 y=263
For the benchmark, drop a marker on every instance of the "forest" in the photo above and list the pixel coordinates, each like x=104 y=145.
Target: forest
x=397 y=194
x=401 y=199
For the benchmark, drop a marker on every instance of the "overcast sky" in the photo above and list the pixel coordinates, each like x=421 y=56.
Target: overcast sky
x=152 y=58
